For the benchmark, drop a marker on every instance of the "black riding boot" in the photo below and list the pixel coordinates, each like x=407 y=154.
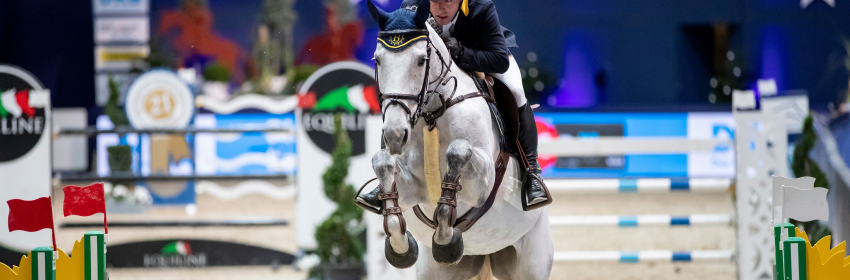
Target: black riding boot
x=370 y=200
x=537 y=195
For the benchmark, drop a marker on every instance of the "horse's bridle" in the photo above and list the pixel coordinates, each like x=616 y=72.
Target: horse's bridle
x=419 y=98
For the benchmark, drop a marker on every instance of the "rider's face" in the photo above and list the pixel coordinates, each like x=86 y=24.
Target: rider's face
x=444 y=11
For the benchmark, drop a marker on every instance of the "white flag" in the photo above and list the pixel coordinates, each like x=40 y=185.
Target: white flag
x=779 y=183
x=805 y=205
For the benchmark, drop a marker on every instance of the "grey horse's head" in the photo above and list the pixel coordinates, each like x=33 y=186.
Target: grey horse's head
x=401 y=62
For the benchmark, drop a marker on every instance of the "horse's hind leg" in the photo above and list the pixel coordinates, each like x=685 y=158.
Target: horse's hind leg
x=503 y=263
x=428 y=268
x=535 y=251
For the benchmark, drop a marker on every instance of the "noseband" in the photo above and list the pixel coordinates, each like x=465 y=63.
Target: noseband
x=399 y=44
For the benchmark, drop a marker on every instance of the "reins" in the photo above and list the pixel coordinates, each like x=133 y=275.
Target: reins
x=420 y=98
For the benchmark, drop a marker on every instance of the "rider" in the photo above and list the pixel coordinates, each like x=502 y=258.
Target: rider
x=477 y=42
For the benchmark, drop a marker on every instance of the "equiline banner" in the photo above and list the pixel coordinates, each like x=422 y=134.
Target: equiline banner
x=24 y=154
x=347 y=88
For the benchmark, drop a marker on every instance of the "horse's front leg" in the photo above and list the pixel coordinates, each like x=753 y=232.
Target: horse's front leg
x=400 y=246
x=467 y=165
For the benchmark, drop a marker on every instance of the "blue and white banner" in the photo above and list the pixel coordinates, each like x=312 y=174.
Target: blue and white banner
x=120 y=6
x=268 y=153
x=719 y=163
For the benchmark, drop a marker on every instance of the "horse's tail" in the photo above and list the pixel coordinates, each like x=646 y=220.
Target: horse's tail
x=486 y=272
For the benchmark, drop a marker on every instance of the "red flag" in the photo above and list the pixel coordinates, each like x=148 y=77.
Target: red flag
x=30 y=215
x=84 y=201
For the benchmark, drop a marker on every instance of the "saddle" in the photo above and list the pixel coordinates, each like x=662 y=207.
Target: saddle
x=503 y=109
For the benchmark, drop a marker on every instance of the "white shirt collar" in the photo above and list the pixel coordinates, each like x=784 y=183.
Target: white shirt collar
x=448 y=28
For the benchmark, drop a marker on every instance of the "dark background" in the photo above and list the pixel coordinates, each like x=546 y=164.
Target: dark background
x=618 y=54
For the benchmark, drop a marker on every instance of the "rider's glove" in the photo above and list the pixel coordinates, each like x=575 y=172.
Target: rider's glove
x=455 y=48
x=437 y=27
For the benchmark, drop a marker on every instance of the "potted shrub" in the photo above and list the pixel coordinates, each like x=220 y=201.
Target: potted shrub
x=217 y=79
x=119 y=156
x=339 y=248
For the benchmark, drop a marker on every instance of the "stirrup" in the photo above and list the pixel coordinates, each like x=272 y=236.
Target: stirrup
x=365 y=206
x=524 y=198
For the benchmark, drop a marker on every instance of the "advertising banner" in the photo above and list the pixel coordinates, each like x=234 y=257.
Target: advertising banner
x=122 y=30
x=118 y=58
x=120 y=6
x=719 y=163
x=24 y=152
x=345 y=88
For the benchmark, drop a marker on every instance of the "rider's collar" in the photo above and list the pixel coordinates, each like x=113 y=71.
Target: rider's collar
x=399 y=40
x=449 y=28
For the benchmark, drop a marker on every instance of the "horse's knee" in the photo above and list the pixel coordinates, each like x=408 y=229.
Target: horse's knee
x=458 y=154
x=382 y=162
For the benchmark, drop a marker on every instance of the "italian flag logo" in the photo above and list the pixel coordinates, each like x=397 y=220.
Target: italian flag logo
x=357 y=98
x=179 y=248
x=15 y=104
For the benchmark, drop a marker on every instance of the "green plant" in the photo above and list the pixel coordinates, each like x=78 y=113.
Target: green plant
x=120 y=159
x=337 y=236
x=300 y=74
x=802 y=165
x=216 y=72
x=111 y=109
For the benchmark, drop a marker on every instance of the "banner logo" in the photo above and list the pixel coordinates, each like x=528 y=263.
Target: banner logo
x=22 y=112
x=176 y=254
x=347 y=88
x=159 y=99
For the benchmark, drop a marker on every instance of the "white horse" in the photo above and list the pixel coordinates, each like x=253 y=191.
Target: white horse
x=516 y=243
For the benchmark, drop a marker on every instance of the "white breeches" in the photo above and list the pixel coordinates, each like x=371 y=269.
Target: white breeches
x=513 y=79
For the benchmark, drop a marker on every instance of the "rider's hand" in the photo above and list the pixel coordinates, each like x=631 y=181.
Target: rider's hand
x=455 y=48
x=437 y=27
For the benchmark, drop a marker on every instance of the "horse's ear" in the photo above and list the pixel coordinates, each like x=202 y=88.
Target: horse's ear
x=377 y=14
x=423 y=11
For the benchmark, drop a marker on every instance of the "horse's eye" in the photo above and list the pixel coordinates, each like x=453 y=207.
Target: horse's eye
x=421 y=61
x=377 y=61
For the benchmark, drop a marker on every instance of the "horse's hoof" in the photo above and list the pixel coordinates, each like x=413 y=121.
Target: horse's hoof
x=402 y=260
x=451 y=253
